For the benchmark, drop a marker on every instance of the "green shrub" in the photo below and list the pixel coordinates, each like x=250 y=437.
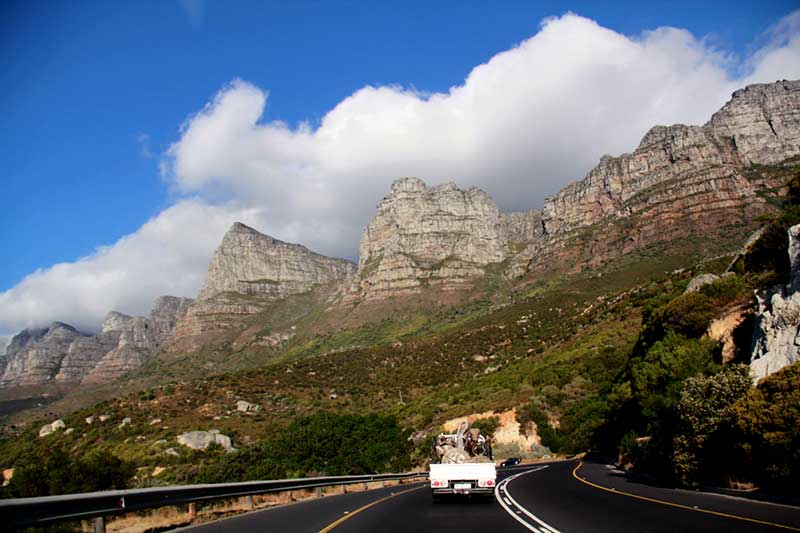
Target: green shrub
x=704 y=405
x=766 y=432
x=689 y=314
x=56 y=472
x=487 y=425
x=726 y=289
x=656 y=378
x=548 y=435
x=320 y=444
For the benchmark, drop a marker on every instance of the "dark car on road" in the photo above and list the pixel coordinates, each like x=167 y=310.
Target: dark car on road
x=510 y=462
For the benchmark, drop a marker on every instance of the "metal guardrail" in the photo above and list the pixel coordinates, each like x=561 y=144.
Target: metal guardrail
x=20 y=513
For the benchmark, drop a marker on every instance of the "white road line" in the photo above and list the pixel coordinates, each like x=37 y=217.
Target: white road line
x=503 y=486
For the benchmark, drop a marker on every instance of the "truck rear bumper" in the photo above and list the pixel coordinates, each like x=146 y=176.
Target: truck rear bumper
x=473 y=490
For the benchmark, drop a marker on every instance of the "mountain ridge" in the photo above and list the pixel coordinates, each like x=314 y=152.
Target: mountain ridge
x=681 y=182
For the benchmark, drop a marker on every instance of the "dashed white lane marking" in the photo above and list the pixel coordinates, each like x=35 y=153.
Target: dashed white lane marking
x=508 y=503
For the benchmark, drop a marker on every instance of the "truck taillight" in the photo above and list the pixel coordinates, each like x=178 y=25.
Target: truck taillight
x=485 y=482
x=439 y=484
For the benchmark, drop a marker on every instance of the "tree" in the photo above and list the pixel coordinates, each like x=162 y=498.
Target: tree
x=766 y=428
x=704 y=405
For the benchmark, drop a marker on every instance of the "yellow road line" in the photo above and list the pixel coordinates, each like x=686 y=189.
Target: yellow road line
x=376 y=502
x=671 y=504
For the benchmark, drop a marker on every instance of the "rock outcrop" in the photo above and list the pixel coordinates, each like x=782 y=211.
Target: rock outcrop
x=249 y=271
x=52 y=427
x=681 y=178
x=201 y=440
x=249 y=262
x=61 y=354
x=680 y=181
x=137 y=338
x=776 y=341
x=429 y=235
x=34 y=356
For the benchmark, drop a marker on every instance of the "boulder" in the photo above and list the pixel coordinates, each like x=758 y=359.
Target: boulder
x=247 y=407
x=698 y=282
x=52 y=427
x=201 y=440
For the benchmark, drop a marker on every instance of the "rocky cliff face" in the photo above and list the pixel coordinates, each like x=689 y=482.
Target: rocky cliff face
x=776 y=342
x=137 y=338
x=61 y=354
x=680 y=179
x=429 y=235
x=249 y=271
x=34 y=355
x=248 y=262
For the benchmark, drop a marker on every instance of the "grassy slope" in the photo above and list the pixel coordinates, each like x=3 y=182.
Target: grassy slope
x=566 y=338
x=558 y=337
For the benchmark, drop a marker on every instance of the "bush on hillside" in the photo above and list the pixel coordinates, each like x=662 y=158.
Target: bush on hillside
x=548 y=435
x=487 y=425
x=705 y=405
x=766 y=430
x=56 y=472
x=320 y=444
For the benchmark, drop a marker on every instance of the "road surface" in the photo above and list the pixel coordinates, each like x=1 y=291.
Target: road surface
x=563 y=497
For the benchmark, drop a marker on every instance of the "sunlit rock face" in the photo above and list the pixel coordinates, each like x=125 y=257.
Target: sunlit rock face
x=250 y=262
x=776 y=342
x=680 y=178
x=428 y=235
x=248 y=271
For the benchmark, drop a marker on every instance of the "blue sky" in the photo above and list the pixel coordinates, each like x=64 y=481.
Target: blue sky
x=96 y=93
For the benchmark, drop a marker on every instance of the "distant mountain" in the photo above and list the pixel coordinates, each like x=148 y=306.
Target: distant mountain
x=701 y=185
x=62 y=355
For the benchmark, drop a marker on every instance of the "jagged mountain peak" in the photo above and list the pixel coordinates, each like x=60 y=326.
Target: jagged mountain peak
x=248 y=261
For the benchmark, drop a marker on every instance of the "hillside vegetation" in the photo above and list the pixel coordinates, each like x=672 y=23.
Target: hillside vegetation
x=614 y=360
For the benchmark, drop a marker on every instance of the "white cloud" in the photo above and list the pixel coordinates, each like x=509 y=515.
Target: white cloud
x=520 y=126
x=167 y=255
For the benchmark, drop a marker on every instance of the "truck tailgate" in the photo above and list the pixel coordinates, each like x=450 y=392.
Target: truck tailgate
x=463 y=471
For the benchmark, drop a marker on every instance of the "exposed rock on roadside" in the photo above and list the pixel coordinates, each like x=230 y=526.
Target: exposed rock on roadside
x=776 y=342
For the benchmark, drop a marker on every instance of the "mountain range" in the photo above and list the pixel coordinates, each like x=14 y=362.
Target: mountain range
x=703 y=185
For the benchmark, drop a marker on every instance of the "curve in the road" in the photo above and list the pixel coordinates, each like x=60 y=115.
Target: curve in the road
x=513 y=508
x=673 y=504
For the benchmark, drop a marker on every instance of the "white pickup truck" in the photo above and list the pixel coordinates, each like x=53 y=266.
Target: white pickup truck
x=462 y=464
x=463 y=478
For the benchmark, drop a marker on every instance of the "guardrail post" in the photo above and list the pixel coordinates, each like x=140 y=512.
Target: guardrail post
x=99 y=525
x=318 y=491
x=248 y=502
x=192 y=510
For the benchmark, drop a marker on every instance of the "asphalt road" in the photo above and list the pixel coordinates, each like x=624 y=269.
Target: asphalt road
x=557 y=497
